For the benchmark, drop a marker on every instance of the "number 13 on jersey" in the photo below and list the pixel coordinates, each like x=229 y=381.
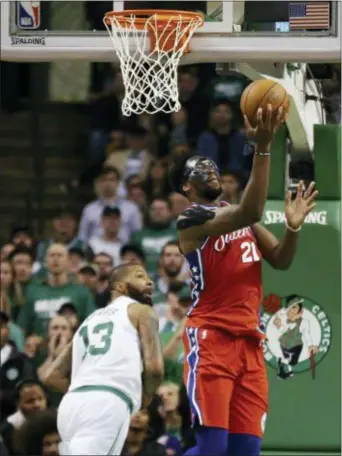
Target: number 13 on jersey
x=99 y=340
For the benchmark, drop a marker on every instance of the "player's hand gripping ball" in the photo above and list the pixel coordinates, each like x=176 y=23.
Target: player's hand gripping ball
x=261 y=94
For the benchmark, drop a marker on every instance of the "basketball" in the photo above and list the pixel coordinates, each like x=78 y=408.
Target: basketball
x=272 y=303
x=261 y=93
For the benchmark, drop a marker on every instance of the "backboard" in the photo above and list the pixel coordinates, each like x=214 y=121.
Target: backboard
x=234 y=31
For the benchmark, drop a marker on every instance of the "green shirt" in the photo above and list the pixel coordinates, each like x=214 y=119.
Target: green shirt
x=151 y=241
x=173 y=368
x=44 y=301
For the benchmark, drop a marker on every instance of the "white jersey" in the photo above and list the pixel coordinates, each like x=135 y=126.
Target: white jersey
x=106 y=353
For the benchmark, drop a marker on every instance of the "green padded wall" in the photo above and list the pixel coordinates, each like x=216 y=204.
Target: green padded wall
x=277 y=175
x=327 y=152
x=304 y=412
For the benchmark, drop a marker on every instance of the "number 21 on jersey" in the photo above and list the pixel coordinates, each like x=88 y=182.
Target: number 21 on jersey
x=101 y=335
x=249 y=252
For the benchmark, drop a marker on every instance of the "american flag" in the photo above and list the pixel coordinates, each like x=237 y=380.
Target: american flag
x=309 y=15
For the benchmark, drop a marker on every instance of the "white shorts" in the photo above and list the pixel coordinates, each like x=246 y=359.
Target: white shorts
x=92 y=423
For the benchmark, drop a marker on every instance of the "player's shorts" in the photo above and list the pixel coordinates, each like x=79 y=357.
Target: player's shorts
x=92 y=423
x=226 y=381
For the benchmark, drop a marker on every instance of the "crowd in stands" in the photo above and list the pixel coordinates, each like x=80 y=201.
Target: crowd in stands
x=49 y=286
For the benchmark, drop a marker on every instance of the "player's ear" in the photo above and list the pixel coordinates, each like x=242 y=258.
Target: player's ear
x=120 y=287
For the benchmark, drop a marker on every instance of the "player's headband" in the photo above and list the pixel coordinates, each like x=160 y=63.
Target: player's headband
x=199 y=168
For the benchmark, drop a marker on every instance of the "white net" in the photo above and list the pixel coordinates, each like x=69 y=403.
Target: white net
x=149 y=72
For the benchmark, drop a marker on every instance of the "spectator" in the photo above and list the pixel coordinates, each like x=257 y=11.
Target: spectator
x=131 y=253
x=30 y=398
x=21 y=237
x=158 y=230
x=179 y=203
x=172 y=328
x=170 y=418
x=6 y=250
x=46 y=298
x=231 y=187
x=33 y=344
x=332 y=95
x=22 y=264
x=104 y=263
x=222 y=143
x=39 y=435
x=169 y=394
x=109 y=242
x=156 y=184
x=106 y=186
x=64 y=231
x=105 y=115
x=6 y=274
x=171 y=269
x=15 y=367
x=135 y=192
x=16 y=335
x=76 y=258
x=194 y=103
x=136 y=158
x=87 y=275
x=136 y=442
x=69 y=311
x=59 y=335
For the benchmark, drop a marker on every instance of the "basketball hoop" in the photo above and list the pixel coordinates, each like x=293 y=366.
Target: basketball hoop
x=149 y=45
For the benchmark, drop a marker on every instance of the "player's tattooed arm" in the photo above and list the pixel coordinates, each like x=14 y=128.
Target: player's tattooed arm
x=57 y=375
x=152 y=352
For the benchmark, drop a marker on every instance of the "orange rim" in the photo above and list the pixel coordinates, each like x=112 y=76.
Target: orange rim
x=163 y=17
x=166 y=20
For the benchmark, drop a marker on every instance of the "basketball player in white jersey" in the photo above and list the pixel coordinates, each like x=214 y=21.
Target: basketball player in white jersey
x=116 y=367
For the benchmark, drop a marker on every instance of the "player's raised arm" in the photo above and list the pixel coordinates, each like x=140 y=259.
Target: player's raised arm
x=280 y=253
x=197 y=223
x=152 y=352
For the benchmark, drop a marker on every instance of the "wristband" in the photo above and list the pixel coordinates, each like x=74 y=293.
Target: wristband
x=254 y=150
x=292 y=229
x=266 y=154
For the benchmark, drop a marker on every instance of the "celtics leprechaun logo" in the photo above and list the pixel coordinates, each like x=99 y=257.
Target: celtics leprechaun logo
x=298 y=334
